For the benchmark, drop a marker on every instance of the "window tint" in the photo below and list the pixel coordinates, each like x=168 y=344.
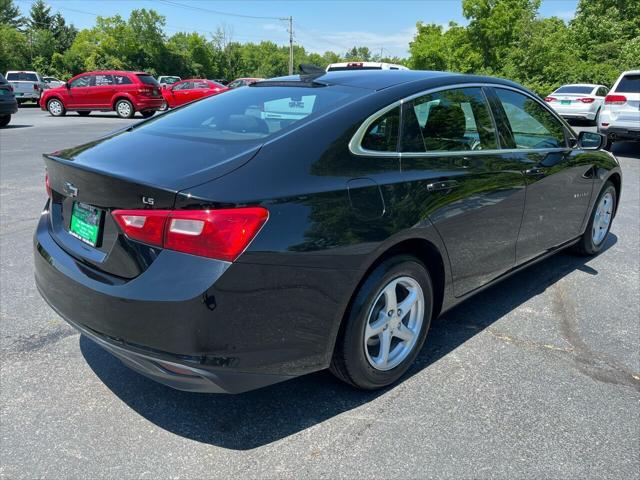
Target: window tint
x=451 y=120
x=382 y=134
x=81 y=81
x=121 y=80
x=629 y=84
x=22 y=76
x=102 y=80
x=532 y=125
x=575 y=89
x=250 y=114
x=184 y=86
x=149 y=80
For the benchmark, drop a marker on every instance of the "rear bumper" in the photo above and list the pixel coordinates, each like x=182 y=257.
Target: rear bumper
x=27 y=96
x=8 y=108
x=620 y=133
x=231 y=327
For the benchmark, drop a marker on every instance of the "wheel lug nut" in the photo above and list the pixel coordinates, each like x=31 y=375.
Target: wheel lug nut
x=390 y=313
x=399 y=312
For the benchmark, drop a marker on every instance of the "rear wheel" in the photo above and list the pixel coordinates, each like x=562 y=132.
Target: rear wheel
x=84 y=113
x=386 y=325
x=4 y=120
x=56 y=108
x=148 y=113
x=595 y=235
x=124 y=109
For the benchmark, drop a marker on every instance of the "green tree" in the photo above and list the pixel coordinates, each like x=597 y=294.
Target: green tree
x=10 y=14
x=40 y=16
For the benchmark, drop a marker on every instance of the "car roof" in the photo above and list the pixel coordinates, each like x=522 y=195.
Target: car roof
x=581 y=85
x=113 y=71
x=381 y=79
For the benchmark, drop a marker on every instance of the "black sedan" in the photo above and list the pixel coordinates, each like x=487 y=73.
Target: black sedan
x=8 y=103
x=312 y=222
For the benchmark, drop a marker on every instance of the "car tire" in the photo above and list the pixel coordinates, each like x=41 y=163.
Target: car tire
x=4 y=120
x=56 y=108
x=84 y=113
x=164 y=107
x=595 y=235
x=124 y=109
x=595 y=119
x=148 y=113
x=358 y=357
x=608 y=145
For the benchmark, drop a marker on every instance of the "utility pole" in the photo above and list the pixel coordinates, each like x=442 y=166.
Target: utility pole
x=290 y=45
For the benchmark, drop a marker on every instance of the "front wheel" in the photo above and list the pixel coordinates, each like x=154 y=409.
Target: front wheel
x=4 y=120
x=124 y=109
x=56 y=108
x=386 y=325
x=593 y=239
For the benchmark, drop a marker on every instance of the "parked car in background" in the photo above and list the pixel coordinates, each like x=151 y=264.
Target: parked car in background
x=336 y=67
x=27 y=85
x=620 y=116
x=8 y=104
x=582 y=100
x=221 y=249
x=243 y=82
x=221 y=81
x=52 y=82
x=166 y=80
x=187 y=91
x=124 y=92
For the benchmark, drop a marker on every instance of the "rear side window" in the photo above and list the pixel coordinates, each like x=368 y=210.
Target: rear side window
x=450 y=120
x=81 y=82
x=149 y=80
x=382 y=134
x=201 y=85
x=22 y=77
x=629 y=84
x=602 y=91
x=121 y=80
x=102 y=80
x=184 y=86
x=532 y=125
x=250 y=114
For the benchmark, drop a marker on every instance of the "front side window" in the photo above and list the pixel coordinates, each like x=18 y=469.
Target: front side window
x=382 y=134
x=81 y=82
x=450 y=120
x=532 y=125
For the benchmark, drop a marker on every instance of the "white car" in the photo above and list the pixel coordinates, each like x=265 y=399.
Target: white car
x=335 y=67
x=52 y=82
x=620 y=115
x=26 y=85
x=167 y=80
x=582 y=100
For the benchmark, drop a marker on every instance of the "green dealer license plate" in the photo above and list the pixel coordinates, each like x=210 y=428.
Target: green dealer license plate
x=565 y=102
x=85 y=223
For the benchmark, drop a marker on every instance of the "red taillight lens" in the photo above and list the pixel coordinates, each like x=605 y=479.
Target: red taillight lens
x=615 y=99
x=221 y=234
x=550 y=99
x=47 y=185
x=586 y=100
x=36 y=86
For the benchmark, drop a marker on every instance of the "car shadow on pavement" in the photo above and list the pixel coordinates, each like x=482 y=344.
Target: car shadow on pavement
x=12 y=126
x=260 y=417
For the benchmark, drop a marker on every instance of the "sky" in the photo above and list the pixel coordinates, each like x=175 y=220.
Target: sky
x=385 y=26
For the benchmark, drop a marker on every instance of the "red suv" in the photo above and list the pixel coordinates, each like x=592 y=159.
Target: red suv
x=124 y=92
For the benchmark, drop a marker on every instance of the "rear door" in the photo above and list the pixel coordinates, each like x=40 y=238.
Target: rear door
x=559 y=184
x=200 y=89
x=472 y=192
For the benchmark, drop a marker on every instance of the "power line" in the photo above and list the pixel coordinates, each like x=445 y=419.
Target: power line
x=218 y=12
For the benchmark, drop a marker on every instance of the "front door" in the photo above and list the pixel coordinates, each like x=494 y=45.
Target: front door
x=559 y=183
x=78 y=92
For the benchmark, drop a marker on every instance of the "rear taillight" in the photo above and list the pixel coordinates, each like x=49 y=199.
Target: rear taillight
x=47 y=185
x=36 y=86
x=586 y=100
x=615 y=100
x=220 y=234
x=549 y=99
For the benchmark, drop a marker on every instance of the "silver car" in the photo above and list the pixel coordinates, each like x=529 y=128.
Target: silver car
x=581 y=101
x=620 y=116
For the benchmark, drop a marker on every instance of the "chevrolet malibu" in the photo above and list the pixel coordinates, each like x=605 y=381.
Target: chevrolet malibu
x=239 y=247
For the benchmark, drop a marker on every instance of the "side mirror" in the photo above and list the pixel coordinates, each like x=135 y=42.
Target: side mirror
x=66 y=84
x=591 y=140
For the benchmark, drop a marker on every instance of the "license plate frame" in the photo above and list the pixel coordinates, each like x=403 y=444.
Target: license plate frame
x=86 y=223
x=565 y=102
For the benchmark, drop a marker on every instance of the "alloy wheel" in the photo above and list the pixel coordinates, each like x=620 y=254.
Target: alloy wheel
x=602 y=219
x=394 y=323
x=55 y=107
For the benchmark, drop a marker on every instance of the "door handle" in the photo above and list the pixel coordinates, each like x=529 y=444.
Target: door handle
x=444 y=185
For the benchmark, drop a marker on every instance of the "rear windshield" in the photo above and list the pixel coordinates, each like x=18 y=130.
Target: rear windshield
x=22 y=76
x=252 y=113
x=574 y=89
x=629 y=84
x=149 y=80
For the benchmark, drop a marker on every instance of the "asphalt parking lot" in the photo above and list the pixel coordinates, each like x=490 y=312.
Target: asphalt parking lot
x=536 y=377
